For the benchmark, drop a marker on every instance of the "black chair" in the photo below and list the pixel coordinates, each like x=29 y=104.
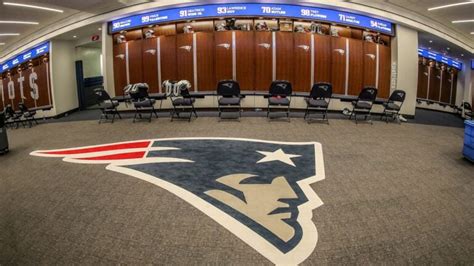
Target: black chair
x=181 y=100
x=279 y=97
x=12 y=117
x=142 y=102
x=363 y=104
x=318 y=101
x=393 y=106
x=107 y=105
x=468 y=110
x=27 y=114
x=230 y=98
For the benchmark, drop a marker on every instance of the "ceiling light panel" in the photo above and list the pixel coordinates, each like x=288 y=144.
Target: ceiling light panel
x=33 y=6
x=451 y=5
x=18 y=22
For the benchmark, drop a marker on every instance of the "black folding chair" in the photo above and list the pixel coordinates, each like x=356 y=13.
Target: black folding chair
x=363 y=104
x=393 y=106
x=230 y=98
x=27 y=114
x=12 y=118
x=468 y=110
x=318 y=101
x=142 y=102
x=107 y=105
x=182 y=101
x=279 y=97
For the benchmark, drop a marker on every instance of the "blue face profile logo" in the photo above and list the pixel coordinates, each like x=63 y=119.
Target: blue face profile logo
x=259 y=190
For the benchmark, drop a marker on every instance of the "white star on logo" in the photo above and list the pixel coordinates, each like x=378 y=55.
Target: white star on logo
x=278 y=155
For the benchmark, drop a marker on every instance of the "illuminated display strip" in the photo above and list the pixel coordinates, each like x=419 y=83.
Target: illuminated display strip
x=251 y=9
x=28 y=55
x=440 y=58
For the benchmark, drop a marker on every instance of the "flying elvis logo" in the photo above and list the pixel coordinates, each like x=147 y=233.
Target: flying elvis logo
x=258 y=190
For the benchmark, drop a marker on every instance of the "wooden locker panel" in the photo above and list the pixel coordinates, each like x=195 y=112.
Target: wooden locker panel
x=370 y=64
x=44 y=83
x=263 y=60
x=120 y=68
x=135 y=66
x=245 y=59
x=223 y=59
x=322 y=58
x=150 y=63
x=445 y=86
x=3 y=91
x=422 y=91
x=205 y=61
x=338 y=64
x=29 y=101
x=285 y=56
x=168 y=58
x=5 y=81
x=454 y=83
x=433 y=93
x=356 y=66
x=385 y=65
x=302 y=62
x=14 y=76
x=184 y=57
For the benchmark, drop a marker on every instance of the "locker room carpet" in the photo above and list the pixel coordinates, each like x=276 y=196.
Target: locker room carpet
x=392 y=194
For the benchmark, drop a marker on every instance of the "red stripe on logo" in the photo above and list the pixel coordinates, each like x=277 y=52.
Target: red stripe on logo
x=128 y=145
x=120 y=156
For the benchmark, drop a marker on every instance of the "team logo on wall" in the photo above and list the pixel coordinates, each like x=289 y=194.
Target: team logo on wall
x=258 y=190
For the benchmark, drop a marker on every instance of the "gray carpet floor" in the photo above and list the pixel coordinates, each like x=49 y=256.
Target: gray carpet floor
x=393 y=194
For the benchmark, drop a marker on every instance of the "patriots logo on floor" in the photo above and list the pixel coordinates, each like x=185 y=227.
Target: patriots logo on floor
x=259 y=190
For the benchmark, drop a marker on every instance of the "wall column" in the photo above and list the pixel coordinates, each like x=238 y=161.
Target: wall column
x=108 y=60
x=405 y=58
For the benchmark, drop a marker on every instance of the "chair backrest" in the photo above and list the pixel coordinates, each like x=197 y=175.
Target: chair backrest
x=139 y=91
x=467 y=106
x=102 y=94
x=368 y=94
x=321 y=90
x=280 y=88
x=397 y=96
x=22 y=107
x=228 y=88
x=9 y=110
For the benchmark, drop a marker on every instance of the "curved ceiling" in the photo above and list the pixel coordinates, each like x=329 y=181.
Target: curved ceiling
x=78 y=13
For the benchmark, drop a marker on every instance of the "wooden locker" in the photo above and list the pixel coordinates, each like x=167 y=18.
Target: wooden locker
x=263 y=60
x=322 y=58
x=205 y=61
x=302 y=62
x=150 y=64
x=356 y=66
x=445 y=86
x=434 y=86
x=370 y=64
x=422 y=91
x=454 y=83
x=29 y=101
x=120 y=68
x=44 y=83
x=285 y=54
x=245 y=59
x=3 y=96
x=385 y=66
x=135 y=65
x=223 y=52
x=184 y=57
x=7 y=99
x=14 y=77
x=168 y=58
x=338 y=64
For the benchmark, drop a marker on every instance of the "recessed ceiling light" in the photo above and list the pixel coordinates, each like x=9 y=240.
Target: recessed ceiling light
x=74 y=36
x=18 y=22
x=99 y=29
x=462 y=54
x=463 y=21
x=33 y=6
x=451 y=5
x=9 y=34
x=448 y=48
x=429 y=48
x=472 y=32
x=431 y=41
x=2 y=43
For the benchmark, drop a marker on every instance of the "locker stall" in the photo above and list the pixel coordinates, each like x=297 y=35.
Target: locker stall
x=338 y=64
x=453 y=81
x=205 y=61
x=168 y=55
x=423 y=76
x=285 y=56
x=245 y=59
x=184 y=57
x=434 y=84
x=302 y=65
x=120 y=67
x=370 y=64
x=322 y=58
x=223 y=55
x=445 y=96
x=356 y=66
x=150 y=63
x=385 y=64
x=263 y=60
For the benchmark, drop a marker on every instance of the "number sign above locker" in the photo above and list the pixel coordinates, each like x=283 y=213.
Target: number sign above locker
x=28 y=55
x=439 y=58
x=253 y=9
